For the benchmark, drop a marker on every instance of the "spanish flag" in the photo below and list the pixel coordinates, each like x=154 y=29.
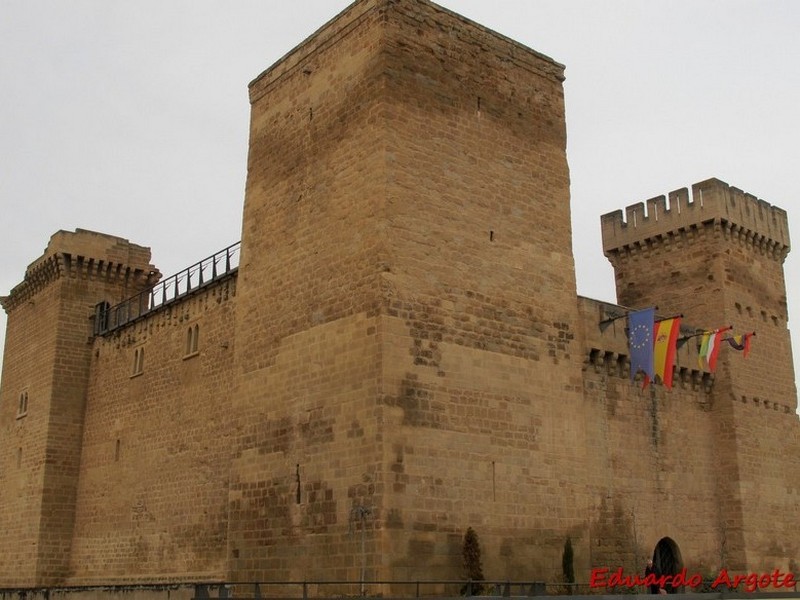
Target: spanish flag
x=665 y=339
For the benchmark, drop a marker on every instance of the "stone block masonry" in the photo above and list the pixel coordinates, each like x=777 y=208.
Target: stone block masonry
x=157 y=446
x=48 y=340
x=710 y=200
x=401 y=353
x=720 y=262
x=443 y=279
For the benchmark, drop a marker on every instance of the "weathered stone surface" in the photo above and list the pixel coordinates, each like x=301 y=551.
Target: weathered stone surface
x=402 y=353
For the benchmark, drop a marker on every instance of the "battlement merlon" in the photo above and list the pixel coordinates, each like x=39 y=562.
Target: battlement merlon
x=90 y=254
x=711 y=200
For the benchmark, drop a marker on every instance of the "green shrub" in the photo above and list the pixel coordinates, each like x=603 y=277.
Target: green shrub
x=472 y=564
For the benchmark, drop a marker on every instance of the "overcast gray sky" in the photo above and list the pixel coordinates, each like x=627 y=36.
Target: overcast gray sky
x=131 y=118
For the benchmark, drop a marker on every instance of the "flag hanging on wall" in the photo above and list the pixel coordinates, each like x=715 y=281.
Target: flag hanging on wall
x=741 y=342
x=709 y=348
x=640 y=341
x=665 y=338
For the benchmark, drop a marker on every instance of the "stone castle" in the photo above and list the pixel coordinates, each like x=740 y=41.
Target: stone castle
x=396 y=350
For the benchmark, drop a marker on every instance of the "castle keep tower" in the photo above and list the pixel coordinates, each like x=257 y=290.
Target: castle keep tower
x=716 y=256
x=396 y=352
x=45 y=376
x=398 y=303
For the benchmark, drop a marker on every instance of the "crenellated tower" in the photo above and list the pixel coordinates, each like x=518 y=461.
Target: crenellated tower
x=716 y=256
x=399 y=354
x=42 y=399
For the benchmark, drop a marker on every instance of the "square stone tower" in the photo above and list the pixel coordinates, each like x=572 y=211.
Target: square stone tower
x=400 y=354
x=716 y=255
x=406 y=303
x=46 y=368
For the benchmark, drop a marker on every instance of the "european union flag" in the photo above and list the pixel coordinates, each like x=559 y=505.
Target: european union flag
x=640 y=340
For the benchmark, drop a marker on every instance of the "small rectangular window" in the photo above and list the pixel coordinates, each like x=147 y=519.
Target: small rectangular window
x=101 y=317
x=138 y=362
x=22 y=406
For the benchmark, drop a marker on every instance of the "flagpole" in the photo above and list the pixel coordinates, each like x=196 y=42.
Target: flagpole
x=606 y=322
x=603 y=324
x=683 y=339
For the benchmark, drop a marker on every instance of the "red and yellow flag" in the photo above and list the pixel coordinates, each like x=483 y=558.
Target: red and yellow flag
x=741 y=342
x=665 y=339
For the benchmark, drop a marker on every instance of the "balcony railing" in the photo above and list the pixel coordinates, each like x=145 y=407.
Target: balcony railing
x=223 y=263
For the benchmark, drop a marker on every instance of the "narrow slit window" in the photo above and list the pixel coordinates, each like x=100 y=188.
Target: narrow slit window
x=22 y=407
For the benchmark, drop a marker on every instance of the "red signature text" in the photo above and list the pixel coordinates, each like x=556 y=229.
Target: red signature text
x=604 y=577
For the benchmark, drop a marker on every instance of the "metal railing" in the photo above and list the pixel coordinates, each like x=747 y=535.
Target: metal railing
x=189 y=280
x=442 y=589
x=378 y=590
x=308 y=590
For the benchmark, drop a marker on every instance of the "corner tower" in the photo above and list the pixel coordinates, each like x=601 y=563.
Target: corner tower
x=42 y=400
x=398 y=304
x=716 y=255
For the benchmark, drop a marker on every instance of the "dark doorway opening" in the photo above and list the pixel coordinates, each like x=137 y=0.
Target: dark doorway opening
x=667 y=560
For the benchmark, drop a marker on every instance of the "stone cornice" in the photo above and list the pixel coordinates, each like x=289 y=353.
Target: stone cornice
x=61 y=265
x=37 y=277
x=755 y=242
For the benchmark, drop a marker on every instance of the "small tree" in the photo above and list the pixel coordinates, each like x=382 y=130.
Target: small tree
x=472 y=564
x=567 y=564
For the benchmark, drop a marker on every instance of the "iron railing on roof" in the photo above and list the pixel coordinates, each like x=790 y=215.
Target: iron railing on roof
x=187 y=281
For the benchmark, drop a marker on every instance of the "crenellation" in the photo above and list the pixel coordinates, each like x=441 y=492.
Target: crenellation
x=678 y=199
x=427 y=368
x=711 y=201
x=656 y=207
x=610 y=350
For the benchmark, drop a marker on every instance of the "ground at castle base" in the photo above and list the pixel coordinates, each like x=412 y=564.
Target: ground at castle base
x=314 y=590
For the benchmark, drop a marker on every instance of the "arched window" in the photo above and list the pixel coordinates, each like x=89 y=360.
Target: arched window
x=192 y=339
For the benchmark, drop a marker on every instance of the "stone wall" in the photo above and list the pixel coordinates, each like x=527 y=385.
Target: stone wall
x=401 y=354
x=307 y=356
x=443 y=289
x=652 y=462
x=48 y=362
x=157 y=446
x=719 y=258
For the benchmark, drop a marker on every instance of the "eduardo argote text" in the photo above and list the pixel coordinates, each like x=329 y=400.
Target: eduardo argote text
x=777 y=579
